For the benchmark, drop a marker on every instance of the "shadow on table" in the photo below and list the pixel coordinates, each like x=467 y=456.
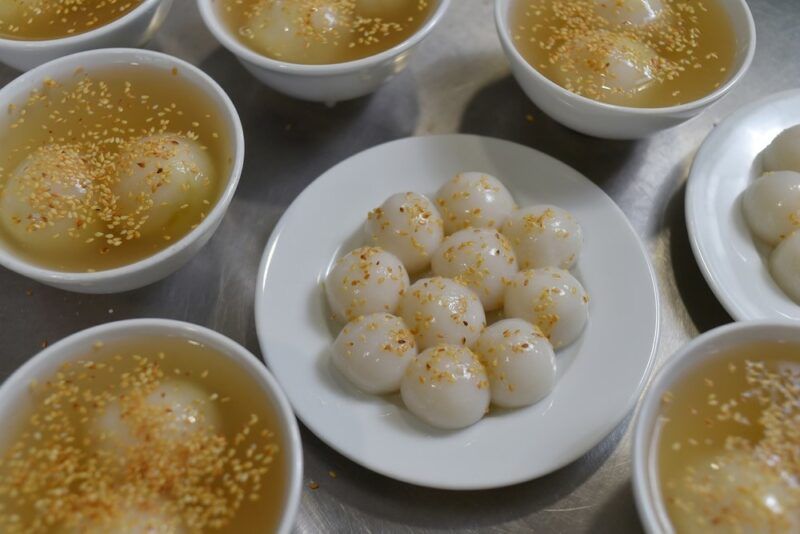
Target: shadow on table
x=397 y=502
x=502 y=110
x=617 y=514
x=702 y=306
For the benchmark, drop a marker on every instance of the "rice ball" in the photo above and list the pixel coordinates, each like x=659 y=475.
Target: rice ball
x=373 y=352
x=45 y=205
x=736 y=491
x=480 y=259
x=439 y=310
x=409 y=226
x=785 y=265
x=131 y=516
x=473 y=199
x=159 y=176
x=446 y=386
x=544 y=236
x=771 y=205
x=615 y=67
x=629 y=12
x=363 y=281
x=551 y=299
x=178 y=406
x=519 y=361
x=298 y=32
x=783 y=153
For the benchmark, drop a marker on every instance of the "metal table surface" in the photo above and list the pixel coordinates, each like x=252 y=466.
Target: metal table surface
x=458 y=81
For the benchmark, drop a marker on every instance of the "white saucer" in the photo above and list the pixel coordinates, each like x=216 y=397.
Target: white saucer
x=600 y=376
x=732 y=261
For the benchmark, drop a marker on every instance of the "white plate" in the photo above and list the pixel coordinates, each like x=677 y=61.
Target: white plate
x=600 y=376
x=732 y=261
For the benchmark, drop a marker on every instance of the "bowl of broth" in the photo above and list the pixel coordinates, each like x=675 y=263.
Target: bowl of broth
x=624 y=69
x=717 y=440
x=33 y=32
x=116 y=167
x=147 y=425
x=322 y=50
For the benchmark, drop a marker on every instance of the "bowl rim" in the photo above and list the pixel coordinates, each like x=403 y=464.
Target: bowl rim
x=696 y=352
x=226 y=346
x=105 y=57
x=95 y=33
x=501 y=23
x=209 y=14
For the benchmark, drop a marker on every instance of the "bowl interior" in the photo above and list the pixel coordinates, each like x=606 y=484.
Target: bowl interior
x=209 y=11
x=740 y=18
x=16 y=93
x=94 y=33
x=16 y=404
x=708 y=347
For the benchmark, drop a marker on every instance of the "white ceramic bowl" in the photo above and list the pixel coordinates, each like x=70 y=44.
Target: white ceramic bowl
x=133 y=29
x=168 y=260
x=709 y=346
x=321 y=83
x=14 y=397
x=619 y=122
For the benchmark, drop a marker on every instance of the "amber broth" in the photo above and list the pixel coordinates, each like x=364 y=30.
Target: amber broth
x=238 y=397
x=535 y=30
x=160 y=96
x=34 y=20
x=692 y=432
x=393 y=27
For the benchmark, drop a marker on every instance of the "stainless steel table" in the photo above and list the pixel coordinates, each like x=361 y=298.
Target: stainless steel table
x=458 y=82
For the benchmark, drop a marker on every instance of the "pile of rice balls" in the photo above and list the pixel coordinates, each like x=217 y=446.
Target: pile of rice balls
x=472 y=251
x=771 y=206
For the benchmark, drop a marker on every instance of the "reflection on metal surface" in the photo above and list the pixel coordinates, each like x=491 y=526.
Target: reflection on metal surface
x=457 y=81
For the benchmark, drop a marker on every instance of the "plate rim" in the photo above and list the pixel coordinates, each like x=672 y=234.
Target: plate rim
x=602 y=432
x=728 y=300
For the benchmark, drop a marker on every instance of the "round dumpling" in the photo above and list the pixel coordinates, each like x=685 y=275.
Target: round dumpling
x=783 y=153
x=480 y=259
x=46 y=203
x=551 y=299
x=298 y=32
x=176 y=407
x=409 y=226
x=736 y=491
x=446 y=386
x=629 y=12
x=473 y=199
x=785 y=265
x=159 y=176
x=771 y=205
x=544 y=236
x=374 y=351
x=439 y=310
x=152 y=517
x=519 y=360
x=366 y=280
x=615 y=67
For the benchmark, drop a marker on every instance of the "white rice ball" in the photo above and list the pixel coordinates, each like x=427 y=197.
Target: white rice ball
x=551 y=299
x=439 y=310
x=373 y=352
x=480 y=259
x=446 y=386
x=364 y=281
x=520 y=362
